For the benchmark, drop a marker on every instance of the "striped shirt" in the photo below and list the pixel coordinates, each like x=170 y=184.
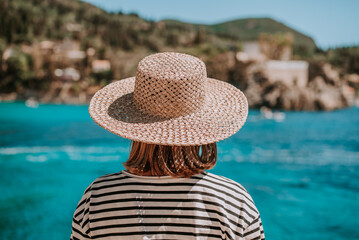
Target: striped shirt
x=127 y=206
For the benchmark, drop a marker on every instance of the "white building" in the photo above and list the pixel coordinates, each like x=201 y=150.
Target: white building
x=68 y=74
x=75 y=55
x=251 y=51
x=101 y=66
x=292 y=73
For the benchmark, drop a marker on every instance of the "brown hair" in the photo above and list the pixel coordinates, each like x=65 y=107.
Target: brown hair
x=175 y=161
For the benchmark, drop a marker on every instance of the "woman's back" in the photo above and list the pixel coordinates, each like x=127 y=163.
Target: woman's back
x=175 y=115
x=128 y=206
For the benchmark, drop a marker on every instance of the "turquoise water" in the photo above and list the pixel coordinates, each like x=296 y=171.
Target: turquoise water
x=303 y=173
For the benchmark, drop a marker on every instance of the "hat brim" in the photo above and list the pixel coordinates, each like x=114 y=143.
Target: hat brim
x=224 y=112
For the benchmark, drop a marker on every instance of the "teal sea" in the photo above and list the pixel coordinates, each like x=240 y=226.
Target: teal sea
x=302 y=172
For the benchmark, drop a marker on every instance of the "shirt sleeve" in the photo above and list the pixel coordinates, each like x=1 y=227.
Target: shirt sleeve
x=254 y=230
x=80 y=220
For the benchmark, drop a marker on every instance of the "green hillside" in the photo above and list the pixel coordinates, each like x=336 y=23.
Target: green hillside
x=251 y=28
x=26 y=21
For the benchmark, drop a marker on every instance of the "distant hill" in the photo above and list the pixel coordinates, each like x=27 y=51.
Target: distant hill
x=26 y=21
x=250 y=29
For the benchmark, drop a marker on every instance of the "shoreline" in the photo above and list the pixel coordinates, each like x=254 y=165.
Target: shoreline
x=20 y=101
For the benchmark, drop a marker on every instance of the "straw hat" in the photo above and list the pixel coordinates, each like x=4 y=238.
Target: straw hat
x=171 y=101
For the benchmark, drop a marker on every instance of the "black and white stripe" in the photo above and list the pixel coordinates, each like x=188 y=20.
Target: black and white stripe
x=205 y=206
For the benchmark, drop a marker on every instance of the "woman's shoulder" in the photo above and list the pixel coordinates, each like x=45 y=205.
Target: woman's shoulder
x=224 y=182
x=230 y=187
x=103 y=180
x=108 y=177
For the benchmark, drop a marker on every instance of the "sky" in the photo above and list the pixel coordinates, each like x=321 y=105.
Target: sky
x=331 y=23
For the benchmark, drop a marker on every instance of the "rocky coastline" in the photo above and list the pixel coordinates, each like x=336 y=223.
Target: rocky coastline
x=275 y=66
x=326 y=88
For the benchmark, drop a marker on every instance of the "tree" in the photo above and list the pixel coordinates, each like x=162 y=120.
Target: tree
x=275 y=45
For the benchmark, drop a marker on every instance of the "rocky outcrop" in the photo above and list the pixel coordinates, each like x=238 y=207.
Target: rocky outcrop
x=324 y=90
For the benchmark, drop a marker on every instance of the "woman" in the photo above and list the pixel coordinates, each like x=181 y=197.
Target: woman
x=174 y=116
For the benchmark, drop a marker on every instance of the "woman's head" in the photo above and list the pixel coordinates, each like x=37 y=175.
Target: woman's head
x=170 y=101
x=175 y=161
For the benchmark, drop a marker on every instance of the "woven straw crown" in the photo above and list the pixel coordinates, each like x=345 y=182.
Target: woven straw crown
x=170 y=85
x=171 y=101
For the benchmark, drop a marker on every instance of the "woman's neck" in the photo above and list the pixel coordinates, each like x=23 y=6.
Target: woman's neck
x=148 y=173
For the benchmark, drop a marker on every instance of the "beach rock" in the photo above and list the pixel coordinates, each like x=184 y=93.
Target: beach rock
x=352 y=80
x=4 y=97
x=220 y=66
x=332 y=75
x=328 y=97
